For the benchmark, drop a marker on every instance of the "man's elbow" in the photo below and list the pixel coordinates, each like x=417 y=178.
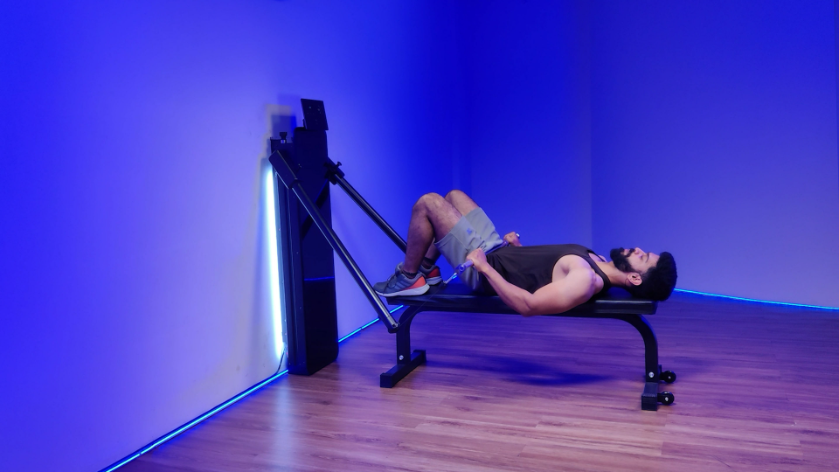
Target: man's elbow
x=528 y=309
x=531 y=309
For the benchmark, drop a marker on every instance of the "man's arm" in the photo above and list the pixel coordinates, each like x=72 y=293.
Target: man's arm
x=557 y=297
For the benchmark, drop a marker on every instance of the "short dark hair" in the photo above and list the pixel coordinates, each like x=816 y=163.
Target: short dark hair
x=657 y=283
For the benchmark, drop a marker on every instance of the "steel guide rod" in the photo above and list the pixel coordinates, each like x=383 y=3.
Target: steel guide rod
x=337 y=177
x=290 y=180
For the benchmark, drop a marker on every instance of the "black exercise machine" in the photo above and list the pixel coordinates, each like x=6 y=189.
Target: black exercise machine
x=305 y=167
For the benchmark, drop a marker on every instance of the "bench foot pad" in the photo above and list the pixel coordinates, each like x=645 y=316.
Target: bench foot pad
x=390 y=378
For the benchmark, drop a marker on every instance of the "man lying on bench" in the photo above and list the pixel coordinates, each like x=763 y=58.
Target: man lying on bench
x=533 y=280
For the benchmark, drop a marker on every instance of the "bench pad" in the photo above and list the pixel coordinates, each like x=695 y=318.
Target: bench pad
x=458 y=297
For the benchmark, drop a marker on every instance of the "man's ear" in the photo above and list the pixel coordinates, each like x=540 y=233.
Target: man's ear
x=633 y=278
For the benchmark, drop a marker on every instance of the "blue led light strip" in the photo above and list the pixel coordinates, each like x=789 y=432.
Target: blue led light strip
x=752 y=300
x=371 y=322
x=194 y=422
x=318 y=278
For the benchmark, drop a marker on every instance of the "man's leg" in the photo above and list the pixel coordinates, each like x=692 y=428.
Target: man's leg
x=431 y=218
x=474 y=230
x=464 y=205
x=461 y=201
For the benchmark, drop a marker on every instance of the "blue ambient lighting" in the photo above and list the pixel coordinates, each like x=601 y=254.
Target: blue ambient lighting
x=273 y=261
x=752 y=300
x=224 y=405
x=370 y=323
x=192 y=423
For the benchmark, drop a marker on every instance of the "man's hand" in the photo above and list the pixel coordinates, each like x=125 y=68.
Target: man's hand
x=478 y=258
x=512 y=238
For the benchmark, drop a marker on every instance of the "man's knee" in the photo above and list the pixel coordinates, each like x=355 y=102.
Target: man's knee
x=429 y=202
x=453 y=194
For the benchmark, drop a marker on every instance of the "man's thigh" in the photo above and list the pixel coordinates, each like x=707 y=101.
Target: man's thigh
x=485 y=228
x=471 y=232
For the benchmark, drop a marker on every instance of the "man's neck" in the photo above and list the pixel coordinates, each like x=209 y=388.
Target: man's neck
x=616 y=277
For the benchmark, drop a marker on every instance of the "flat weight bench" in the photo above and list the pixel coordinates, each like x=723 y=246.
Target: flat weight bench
x=457 y=297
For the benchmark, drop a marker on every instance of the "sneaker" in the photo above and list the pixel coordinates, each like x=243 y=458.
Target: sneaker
x=432 y=275
x=398 y=285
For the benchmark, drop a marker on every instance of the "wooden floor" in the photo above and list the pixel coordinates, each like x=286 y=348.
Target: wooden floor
x=757 y=389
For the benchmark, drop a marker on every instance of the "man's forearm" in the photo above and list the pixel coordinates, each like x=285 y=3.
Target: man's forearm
x=515 y=297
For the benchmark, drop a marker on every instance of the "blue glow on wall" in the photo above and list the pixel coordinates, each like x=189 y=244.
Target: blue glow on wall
x=194 y=422
x=366 y=325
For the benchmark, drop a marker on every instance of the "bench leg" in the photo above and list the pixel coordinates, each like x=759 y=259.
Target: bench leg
x=398 y=372
x=650 y=398
x=406 y=361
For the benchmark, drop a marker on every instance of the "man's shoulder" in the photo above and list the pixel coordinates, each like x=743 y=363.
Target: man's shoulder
x=574 y=267
x=578 y=273
x=574 y=262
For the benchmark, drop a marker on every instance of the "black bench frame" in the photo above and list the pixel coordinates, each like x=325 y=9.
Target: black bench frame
x=615 y=305
x=456 y=298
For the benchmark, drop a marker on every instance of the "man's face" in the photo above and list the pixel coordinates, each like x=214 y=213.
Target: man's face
x=633 y=260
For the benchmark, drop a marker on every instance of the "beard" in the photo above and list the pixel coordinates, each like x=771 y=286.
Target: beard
x=621 y=261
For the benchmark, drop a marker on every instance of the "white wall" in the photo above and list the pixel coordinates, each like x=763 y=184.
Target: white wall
x=708 y=130
x=714 y=137
x=393 y=110
x=836 y=52
x=134 y=284
x=528 y=123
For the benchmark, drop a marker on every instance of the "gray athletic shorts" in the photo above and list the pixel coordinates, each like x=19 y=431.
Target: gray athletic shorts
x=474 y=230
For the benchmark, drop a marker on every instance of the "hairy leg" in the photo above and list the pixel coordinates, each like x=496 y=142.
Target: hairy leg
x=431 y=218
x=463 y=204
x=461 y=201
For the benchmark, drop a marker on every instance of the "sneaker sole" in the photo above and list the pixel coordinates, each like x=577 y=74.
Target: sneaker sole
x=407 y=292
x=434 y=280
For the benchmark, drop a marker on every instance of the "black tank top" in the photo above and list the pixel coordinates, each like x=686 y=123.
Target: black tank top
x=531 y=267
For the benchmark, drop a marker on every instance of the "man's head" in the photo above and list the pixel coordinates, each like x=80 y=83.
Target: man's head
x=649 y=275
